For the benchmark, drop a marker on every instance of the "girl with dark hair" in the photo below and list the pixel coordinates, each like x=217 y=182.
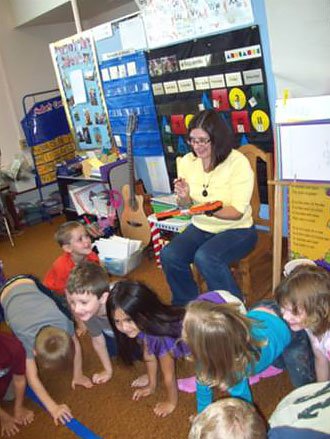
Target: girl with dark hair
x=213 y=171
x=140 y=320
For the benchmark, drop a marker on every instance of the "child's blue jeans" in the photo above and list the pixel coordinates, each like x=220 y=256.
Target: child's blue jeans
x=297 y=358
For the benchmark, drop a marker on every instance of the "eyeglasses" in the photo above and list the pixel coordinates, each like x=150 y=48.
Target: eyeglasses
x=198 y=140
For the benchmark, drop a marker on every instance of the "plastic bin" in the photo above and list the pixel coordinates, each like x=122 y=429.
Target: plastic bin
x=120 y=267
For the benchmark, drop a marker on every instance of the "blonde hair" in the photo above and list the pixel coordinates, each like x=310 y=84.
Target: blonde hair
x=54 y=348
x=229 y=418
x=63 y=235
x=308 y=288
x=220 y=340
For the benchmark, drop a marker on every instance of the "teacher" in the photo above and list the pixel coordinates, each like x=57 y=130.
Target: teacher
x=213 y=171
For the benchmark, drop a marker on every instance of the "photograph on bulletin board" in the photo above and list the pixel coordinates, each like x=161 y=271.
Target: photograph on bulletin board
x=76 y=67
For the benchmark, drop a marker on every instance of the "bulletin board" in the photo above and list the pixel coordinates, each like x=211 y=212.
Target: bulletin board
x=224 y=72
x=127 y=89
x=171 y=21
x=75 y=65
x=47 y=133
x=119 y=36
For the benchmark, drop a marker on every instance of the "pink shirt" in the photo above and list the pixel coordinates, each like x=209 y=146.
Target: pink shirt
x=321 y=343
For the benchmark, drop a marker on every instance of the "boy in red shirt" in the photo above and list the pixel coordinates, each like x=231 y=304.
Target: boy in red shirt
x=76 y=243
x=72 y=236
x=12 y=369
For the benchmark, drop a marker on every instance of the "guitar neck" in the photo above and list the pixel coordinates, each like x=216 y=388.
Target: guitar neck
x=130 y=161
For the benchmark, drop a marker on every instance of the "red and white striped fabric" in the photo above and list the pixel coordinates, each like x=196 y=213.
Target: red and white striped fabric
x=156 y=242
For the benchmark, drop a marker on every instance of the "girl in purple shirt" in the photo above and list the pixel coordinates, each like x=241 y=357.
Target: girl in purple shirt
x=141 y=320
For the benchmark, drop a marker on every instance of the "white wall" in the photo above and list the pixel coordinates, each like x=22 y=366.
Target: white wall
x=125 y=9
x=25 y=67
x=26 y=10
x=299 y=36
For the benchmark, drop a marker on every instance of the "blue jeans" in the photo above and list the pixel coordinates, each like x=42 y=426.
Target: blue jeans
x=297 y=358
x=211 y=253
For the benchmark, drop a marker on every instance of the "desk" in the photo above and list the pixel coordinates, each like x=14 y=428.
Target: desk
x=172 y=225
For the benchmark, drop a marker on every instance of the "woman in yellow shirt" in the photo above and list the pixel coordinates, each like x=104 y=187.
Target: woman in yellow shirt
x=213 y=171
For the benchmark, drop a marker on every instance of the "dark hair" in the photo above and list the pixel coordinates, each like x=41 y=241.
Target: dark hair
x=147 y=311
x=88 y=277
x=221 y=136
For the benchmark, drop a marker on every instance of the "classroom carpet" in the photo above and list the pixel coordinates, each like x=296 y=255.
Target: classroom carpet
x=108 y=410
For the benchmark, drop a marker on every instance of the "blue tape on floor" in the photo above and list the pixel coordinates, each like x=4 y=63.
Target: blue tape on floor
x=74 y=425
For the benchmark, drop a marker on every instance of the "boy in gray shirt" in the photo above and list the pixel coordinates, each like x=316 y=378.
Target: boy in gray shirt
x=88 y=289
x=47 y=335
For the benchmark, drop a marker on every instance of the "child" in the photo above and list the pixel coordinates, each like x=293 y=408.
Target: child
x=77 y=247
x=47 y=335
x=304 y=298
x=87 y=292
x=303 y=414
x=228 y=346
x=229 y=418
x=12 y=370
x=139 y=318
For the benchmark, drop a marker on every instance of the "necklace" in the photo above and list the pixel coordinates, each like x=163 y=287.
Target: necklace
x=206 y=185
x=204 y=192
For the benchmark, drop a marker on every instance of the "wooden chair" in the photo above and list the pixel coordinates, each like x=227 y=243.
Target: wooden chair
x=242 y=268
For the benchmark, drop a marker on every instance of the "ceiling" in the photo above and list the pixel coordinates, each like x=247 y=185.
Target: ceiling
x=87 y=10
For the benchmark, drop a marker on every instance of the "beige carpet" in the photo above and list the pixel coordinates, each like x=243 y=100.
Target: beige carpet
x=108 y=409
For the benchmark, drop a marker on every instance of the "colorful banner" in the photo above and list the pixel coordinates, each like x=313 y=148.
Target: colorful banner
x=309 y=213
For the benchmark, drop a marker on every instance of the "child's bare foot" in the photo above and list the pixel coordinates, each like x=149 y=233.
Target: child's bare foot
x=163 y=409
x=141 y=381
x=23 y=416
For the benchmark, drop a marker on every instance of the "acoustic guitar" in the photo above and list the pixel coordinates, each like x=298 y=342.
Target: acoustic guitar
x=133 y=221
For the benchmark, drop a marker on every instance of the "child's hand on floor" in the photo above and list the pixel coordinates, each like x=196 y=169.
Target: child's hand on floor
x=163 y=409
x=102 y=377
x=23 y=416
x=142 y=393
x=61 y=413
x=141 y=381
x=82 y=380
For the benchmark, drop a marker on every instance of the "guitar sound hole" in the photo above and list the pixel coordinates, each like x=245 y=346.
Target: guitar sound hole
x=134 y=224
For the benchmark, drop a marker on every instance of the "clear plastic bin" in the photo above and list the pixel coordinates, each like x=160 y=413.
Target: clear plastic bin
x=120 y=267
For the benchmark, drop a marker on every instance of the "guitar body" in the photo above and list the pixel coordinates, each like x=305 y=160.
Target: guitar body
x=134 y=223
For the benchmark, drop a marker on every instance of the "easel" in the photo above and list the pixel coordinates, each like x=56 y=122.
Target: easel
x=278 y=221
x=289 y=111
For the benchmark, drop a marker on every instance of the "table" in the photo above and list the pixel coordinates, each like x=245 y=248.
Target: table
x=173 y=225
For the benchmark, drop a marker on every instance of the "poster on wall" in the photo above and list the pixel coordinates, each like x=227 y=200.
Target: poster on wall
x=77 y=74
x=169 y=21
x=309 y=213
